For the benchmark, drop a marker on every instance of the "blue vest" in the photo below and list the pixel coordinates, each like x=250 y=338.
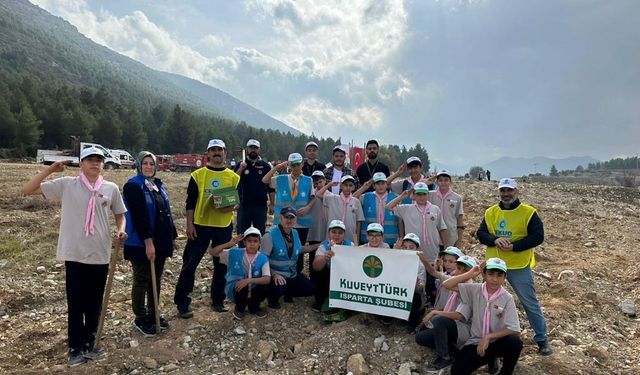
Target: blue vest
x=279 y=259
x=326 y=245
x=370 y=216
x=283 y=198
x=236 y=272
x=133 y=239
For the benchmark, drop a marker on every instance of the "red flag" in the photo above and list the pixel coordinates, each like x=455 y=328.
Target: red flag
x=357 y=157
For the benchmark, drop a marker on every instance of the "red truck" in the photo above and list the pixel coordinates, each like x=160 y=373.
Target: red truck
x=181 y=162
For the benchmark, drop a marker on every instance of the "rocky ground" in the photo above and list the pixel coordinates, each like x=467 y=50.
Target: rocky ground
x=588 y=267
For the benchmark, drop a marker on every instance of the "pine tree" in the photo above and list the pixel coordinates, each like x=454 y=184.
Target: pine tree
x=554 y=171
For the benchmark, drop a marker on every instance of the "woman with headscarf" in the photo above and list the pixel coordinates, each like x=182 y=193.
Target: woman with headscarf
x=151 y=238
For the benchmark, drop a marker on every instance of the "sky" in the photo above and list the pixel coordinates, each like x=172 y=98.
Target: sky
x=472 y=81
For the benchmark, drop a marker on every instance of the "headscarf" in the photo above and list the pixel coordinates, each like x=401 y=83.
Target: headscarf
x=140 y=158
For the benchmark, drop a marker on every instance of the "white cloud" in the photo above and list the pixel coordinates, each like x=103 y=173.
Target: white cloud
x=212 y=41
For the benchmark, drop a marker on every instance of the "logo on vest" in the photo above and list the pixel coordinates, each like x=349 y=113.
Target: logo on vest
x=500 y=231
x=236 y=265
x=372 y=266
x=215 y=183
x=281 y=252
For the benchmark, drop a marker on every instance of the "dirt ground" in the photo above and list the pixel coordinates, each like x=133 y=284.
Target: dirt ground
x=588 y=264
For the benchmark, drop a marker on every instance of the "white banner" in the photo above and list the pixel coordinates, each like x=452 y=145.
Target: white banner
x=373 y=280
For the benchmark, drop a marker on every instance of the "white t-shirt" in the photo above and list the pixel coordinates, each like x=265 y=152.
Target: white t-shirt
x=412 y=219
x=73 y=245
x=451 y=209
x=337 y=176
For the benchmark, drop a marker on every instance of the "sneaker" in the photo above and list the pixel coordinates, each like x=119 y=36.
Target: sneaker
x=144 y=327
x=438 y=365
x=219 y=308
x=316 y=307
x=185 y=313
x=275 y=305
x=94 y=354
x=494 y=365
x=76 y=358
x=259 y=313
x=238 y=314
x=544 y=348
x=164 y=323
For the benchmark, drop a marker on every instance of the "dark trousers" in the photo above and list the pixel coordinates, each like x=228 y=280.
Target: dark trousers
x=85 y=285
x=142 y=288
x=298 y=286
x=442 y=337
x=431 y=289
x=322 y=285
x=415 y=313
x=193 y=253
x=313 y=275
x=468 y=360
x=258 y=294
x=248 y=216
x=303 y=233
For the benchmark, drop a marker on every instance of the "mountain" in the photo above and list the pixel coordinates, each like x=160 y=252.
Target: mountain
x=515 y=167
x=34 y=42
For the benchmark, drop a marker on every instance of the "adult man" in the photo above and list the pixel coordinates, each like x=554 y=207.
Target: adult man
x=311 y=163
x=451 y=206
x=511 y=230
x=367 y=169
x=252 y=191
x=338 y=169
x=206 y=225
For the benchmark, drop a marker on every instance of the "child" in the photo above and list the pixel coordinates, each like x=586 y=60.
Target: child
x=495 y=328
x=343 y=207
x=451 y=206
x=413 y=166
x=450 y=256
x=322 y=262
x=248 y=272
x=411 y=241
x=373 y=206
x=318 y=229
x=375 y=236
x=449 y=327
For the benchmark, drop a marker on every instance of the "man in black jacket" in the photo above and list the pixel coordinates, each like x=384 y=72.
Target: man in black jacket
x=252 y=191
x=366 y=170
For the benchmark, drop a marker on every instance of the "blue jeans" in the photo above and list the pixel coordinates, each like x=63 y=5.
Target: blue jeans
x=522 y=283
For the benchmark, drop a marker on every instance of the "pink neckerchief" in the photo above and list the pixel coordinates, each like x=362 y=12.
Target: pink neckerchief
x=424 y=213
x=443 y=197
x=380 y=203
x=486 y=320
x=250 y=262
x=345 y=204
x=91 y=206
x=452 y=302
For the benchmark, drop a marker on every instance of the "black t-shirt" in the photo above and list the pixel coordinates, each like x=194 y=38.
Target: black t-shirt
x=253 y=192
x=308 y=169
x=365 y=172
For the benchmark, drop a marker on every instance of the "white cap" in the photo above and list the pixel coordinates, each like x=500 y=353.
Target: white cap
x=318 y=174
x=216 y=143
x=467 y=261
x=339 y=148
x=413 y=238
x=337 y=224
x=379 y=176
x=414 y=159
x=347 y=178
x=496 y=264
x=375 y=227
x=89 y=151
x=311 y=143
x=508 y=183
x=295 y=158
x=421 y=187
x=443 y=172
x=252 y=231
x=452 y=250
x=253 y=142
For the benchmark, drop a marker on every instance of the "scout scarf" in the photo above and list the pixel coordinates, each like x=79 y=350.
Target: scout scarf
x=91 y=206
x=486 y=320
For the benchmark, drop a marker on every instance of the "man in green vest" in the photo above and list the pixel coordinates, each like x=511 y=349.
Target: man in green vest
x=511 y=230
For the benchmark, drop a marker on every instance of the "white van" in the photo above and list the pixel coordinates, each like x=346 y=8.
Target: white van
x=126 y=160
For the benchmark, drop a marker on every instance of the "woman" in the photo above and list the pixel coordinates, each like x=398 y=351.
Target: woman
x=151 y=234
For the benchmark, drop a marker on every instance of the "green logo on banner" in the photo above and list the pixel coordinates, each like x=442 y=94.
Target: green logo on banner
x=372 y=266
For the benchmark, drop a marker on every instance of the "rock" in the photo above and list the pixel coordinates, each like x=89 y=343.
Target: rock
x=590 y=244
x=385 y=347
x=297 y=348
x=557 y=343
x=2 y=312
x=266 y=350
x=405 y=368
x=357 y=365
x=41 y=269
x=150 y=363
x=570 y=339
x=60 y=368
x=567 y=273
x=50 y=282
x=134 y=343
x=628 y=307
x=168 y=272
x=309 y=364
x=171 y=367
x=378 y=341
x=239 y=330
x=598 y=353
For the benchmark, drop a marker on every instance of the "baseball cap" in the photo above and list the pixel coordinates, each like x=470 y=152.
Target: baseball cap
x=346 y=178
x=253 y=142
x=413 y=238
x=467 y=261
x=288 y=211
x=414 y=160
x=452 y=250
x=375 y=227
x=295 y=158
x=216 y=143
x=443 y=172
x=90 y=151
x=496 y=264
x=252 y=231
x=421 y=188
x=339 y=148
x=318 y=174
x=336 y=224
x=379 y=176
x=508 y=183
x=311 y=143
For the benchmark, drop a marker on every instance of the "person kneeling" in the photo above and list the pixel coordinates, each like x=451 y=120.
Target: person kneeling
x=495 y=328
x=248 y=272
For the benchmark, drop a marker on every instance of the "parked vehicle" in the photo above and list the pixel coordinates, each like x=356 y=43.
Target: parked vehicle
x=48 y=157
x=126 y=160
x=166 y=162
x=188 y=162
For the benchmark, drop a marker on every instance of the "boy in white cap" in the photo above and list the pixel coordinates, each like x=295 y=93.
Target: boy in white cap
x=450 y=256
x=248 y=272
x=373 y=207
x=495 y=327
x=343 y=207
x=375 y=237
x=311 y=163
x=451 y=206
x=412 y=242
x=84 y=243
x=318 y=229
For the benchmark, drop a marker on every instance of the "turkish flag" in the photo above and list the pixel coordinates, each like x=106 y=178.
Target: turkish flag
x=357 y=155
